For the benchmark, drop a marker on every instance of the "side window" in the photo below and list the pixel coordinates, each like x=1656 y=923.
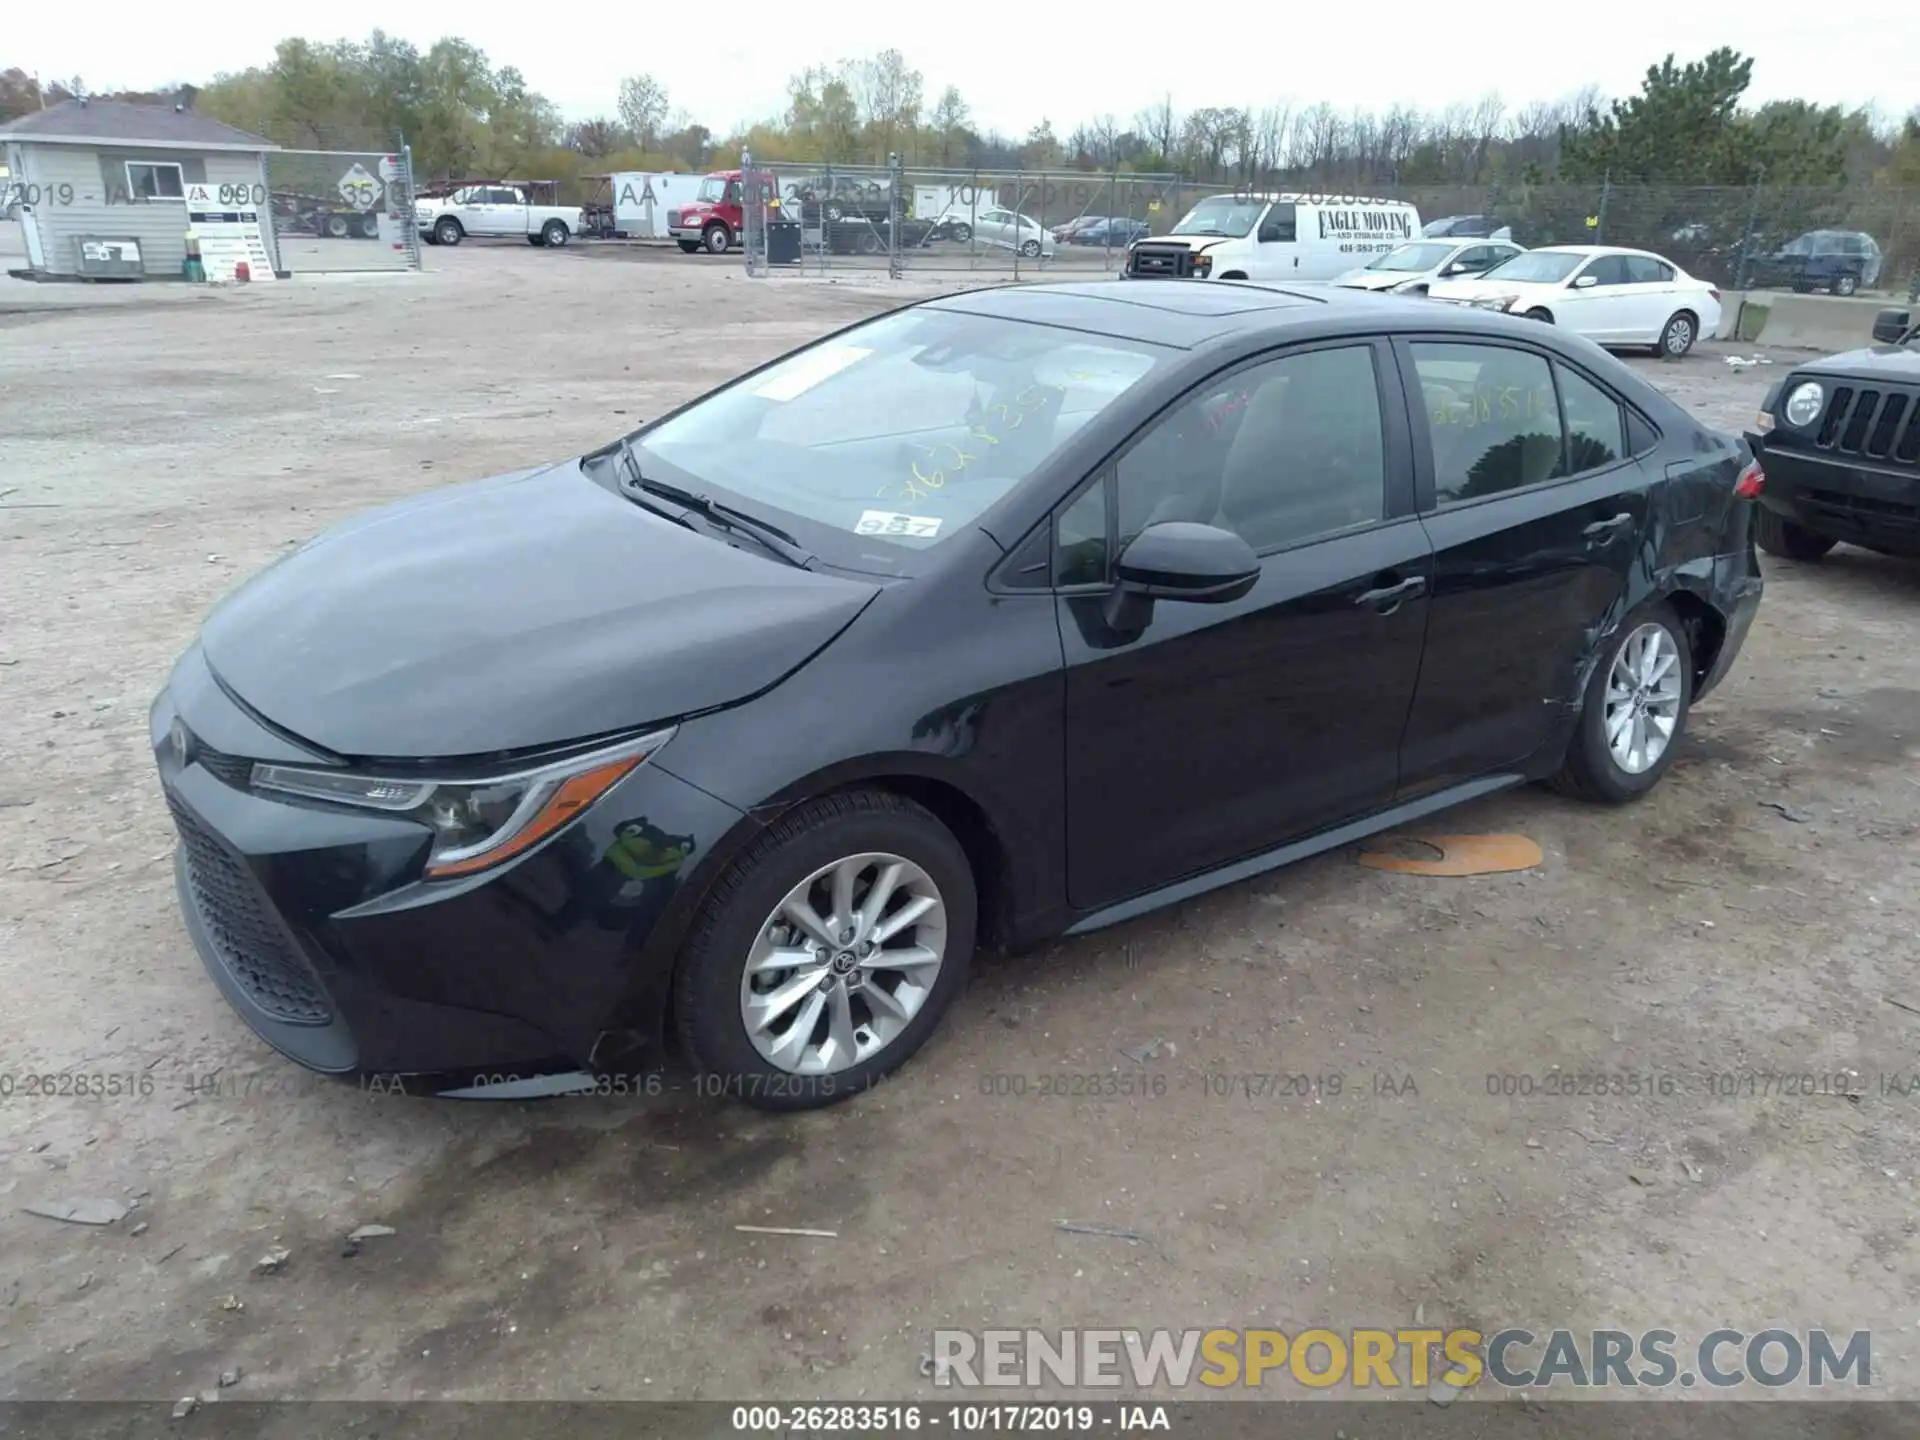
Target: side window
x=1609 y=270
x=1645 y=270
x=1280 y=225
x=1282 y=452
x=1080 y=546
x=733 y=193
x=1641 y=437
x=1493 y=418
x=1596 y=434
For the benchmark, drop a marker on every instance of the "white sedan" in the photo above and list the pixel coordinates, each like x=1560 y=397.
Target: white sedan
x=995 y=226
x=1411 y=269
x=1609 y=295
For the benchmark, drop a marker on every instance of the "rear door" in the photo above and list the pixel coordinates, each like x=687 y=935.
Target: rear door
x=1653 y=288
x=1222 y=730
x=1536 y=523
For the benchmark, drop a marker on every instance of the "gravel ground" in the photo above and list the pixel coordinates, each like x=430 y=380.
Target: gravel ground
x=160 y=445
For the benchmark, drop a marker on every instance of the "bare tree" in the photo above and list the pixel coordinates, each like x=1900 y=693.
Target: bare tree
x=950 y=119
x=1160 y=124
x=643 y=108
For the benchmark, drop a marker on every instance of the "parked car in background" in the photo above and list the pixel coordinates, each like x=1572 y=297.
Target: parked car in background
x=497 y=210
x=1837 y=261
x=994 y=225
x=1065 y=231
x=1411 y=269
x=1838 y=445
x=1466 y=227
x=1610 y=295
x=482 y=787
x=1115 y=232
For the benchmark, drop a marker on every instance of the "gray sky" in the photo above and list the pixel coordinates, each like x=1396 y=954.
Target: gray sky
x=1067 y=63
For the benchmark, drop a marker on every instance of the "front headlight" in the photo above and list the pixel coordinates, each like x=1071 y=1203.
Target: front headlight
x=479 y=821
x=1803 y=404
x=1495 y=302
x=1203 y=265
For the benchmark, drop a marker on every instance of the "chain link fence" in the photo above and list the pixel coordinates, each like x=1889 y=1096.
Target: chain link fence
x=341 y=210
x=906 y=219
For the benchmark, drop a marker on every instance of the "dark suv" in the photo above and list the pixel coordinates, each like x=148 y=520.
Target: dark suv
x=1839 y=261
x=1838 y=441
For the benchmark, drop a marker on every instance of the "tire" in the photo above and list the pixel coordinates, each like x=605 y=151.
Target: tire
x=690 y=247
x=717 y=239
x=1678 y=335
x=337 y=228
x=869 y=243
x=1778 y=535
x=554 y=234
x=1545 y=317
x=447 y=231
x=1030 y=248
x=1592 y=770
x=737 y=927
x=370 y=227
x=1845 y=284
x=963 y=233
x=835 y=214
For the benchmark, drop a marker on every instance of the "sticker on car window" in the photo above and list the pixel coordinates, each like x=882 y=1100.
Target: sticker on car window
x=803 y=372
x=891 y=522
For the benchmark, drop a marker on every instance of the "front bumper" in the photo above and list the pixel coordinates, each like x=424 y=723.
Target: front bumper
x=314 y=922
x=1862 y=502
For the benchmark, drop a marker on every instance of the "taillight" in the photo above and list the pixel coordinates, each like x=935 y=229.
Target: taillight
x=1752 y=480
x=1715 y=294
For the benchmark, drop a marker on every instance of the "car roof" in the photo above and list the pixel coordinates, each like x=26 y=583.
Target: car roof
x=1595 y=250
x=1187 y=314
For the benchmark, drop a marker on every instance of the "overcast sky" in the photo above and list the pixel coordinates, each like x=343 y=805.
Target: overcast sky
x=1019 y=62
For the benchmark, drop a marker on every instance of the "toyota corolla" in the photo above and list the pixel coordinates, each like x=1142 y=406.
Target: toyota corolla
x=1002 y=616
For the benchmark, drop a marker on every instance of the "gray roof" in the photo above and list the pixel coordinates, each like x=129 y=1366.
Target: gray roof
x=114 y=122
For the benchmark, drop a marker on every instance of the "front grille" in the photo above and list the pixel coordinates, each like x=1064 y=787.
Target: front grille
x=1873 y=423
x=673 y=219
x=1160 y=262
x=228 y=769
x=275 y=976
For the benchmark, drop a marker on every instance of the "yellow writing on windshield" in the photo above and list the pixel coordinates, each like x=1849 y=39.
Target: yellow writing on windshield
x=946 y=460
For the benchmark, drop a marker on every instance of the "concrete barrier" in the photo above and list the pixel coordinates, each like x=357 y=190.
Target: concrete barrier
x=1801 y=322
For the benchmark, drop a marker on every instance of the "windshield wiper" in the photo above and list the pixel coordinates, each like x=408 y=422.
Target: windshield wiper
x=771 y=537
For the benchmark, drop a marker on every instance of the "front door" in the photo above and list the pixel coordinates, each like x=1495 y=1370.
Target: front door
x=1222 y=730
x=1604 y=310
x=1536 y=524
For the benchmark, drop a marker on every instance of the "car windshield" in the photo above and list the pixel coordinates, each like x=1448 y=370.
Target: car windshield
x=1221 y=215
x=1536 y=267
x=1412 y=258
x=713 y=189
x=900 y=430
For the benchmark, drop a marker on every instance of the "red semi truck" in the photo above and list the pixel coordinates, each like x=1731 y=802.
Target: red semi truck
x=711 y=221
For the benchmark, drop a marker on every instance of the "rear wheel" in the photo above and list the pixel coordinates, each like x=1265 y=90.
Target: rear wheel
x=554 y=233
x=337 y=227
x=1845 y=284
x=1030 y=248
x=827 y=953
x=1678 y=337
x=1634 y=712
x=370 y=227
x=963 y=233
x=1778 y=535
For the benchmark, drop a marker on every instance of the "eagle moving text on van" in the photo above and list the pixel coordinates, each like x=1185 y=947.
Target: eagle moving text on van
x=1273 y=237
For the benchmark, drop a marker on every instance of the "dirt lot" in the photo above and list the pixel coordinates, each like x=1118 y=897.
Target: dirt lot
x=158 y=447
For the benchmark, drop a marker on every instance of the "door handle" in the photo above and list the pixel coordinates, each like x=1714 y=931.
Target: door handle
x=1601 y=529
x=1388 y=597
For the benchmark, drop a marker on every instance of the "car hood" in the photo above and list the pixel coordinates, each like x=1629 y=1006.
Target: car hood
x=507 y=614
x=1883 y=362
x=1198 y=244
x=1376 y=279
x=1484 y=289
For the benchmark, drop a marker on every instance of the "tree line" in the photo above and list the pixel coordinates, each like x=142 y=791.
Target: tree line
x=1688 y=125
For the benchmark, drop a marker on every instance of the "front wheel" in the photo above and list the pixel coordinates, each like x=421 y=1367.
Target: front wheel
x=717 y=238
x=1778 y=535
x=963 y=233
x=1846 y=284
x=1634 y=712
x=447 y=231
x=1545 y=317
x=827 y=953
x=554 y=234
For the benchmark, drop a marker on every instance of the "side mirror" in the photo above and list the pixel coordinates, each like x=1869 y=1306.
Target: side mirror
x=1889 y=326
x=1179 y=560
x=1586 y=282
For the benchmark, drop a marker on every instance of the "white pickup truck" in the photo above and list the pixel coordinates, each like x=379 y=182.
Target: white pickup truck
x=494 y=210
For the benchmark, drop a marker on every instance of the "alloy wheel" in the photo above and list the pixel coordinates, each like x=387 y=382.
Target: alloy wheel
x=1679 y=335
x=844 y=963
x=1643 y=699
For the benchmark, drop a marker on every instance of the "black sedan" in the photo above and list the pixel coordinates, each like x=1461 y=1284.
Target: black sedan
x=1838 y=441
x=1011 y=614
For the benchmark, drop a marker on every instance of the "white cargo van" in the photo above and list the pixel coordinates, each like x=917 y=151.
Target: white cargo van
x=1273 y=238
